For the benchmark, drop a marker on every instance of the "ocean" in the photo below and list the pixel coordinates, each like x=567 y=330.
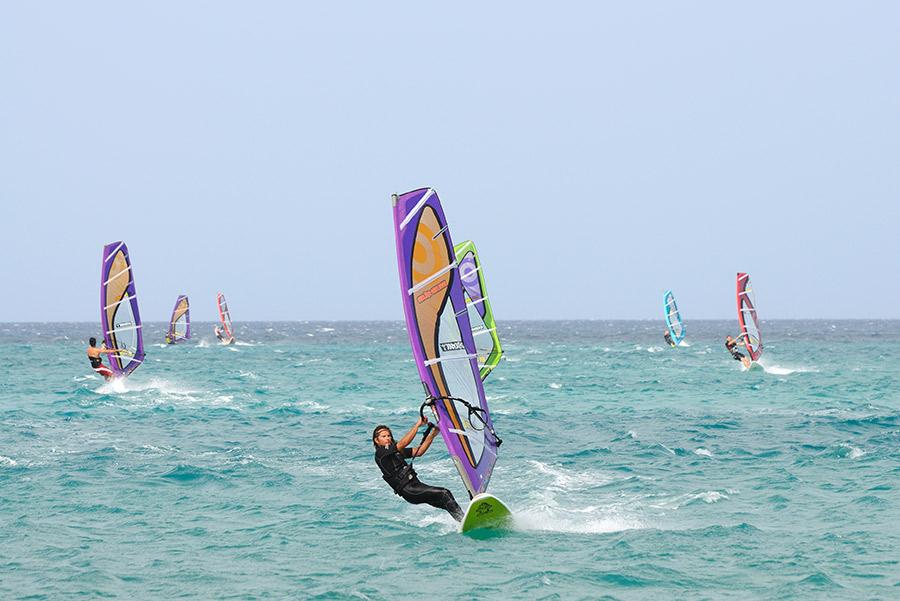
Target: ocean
x=634 y=471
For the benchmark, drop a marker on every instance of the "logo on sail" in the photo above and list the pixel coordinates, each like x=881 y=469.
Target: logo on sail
x=431 y=291
x=453 y=346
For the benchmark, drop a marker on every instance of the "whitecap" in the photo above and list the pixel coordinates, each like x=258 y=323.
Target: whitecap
x=711 y=496
x=313 y=405
x=855 y=452
x=674 y=503
x=778 y=370
x=583 y=520
x=571 y=480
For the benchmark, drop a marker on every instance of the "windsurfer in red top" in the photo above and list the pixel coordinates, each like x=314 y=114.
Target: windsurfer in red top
x=96 y=360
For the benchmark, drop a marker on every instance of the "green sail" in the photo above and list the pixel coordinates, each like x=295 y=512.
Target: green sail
x=484 y=328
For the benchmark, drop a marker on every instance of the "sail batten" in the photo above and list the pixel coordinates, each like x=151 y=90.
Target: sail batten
x=119 y=274
x=119 y=315
x=445 y=359
x=432 y=278
x=118 y=302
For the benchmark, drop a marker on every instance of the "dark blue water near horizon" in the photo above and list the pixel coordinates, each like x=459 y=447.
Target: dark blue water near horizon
x=635 y=471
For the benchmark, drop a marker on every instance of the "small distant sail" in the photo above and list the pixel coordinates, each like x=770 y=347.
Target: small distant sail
x=746 y=307
x=441 y=336
x=224 y=315
x=180 y=322
x=119 y=313
x=484 y=329
x=673 y=318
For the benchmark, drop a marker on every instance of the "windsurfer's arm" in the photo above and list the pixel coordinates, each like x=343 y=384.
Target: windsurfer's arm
x=408 y=437
x=420 y=450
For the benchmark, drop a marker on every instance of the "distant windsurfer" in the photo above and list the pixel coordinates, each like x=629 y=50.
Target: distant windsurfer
x=223 y=338
x=391 y=458
x=96 y=360
x=731 y=344
x=668 y=338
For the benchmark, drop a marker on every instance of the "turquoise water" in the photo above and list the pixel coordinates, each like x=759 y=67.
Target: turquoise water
x=635 y=472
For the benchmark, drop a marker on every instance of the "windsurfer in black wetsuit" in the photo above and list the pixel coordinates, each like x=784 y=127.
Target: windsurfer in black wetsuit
x=668 y=338
x=96 y=360
x=391 y=457
x=731 y=344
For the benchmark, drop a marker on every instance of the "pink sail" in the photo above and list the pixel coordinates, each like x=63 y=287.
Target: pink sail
x=746 y=308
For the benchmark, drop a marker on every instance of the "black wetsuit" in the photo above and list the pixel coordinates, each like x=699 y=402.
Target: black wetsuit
x=668 y=338
x=95 y=362
x=402 y=478
x=732 y=348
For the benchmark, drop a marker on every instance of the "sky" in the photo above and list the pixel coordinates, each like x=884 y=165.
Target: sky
x=598 y=153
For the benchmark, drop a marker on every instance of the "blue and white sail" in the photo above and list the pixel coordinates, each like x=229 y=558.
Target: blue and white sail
x=673 y=318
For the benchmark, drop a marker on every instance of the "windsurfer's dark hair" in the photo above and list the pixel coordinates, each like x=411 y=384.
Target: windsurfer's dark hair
x=93 y=341
x=377 y=429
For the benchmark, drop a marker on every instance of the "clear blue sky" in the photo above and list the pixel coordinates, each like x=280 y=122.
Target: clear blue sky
x=598 y=153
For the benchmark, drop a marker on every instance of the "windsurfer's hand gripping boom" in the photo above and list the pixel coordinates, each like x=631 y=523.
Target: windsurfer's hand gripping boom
x=426 y=438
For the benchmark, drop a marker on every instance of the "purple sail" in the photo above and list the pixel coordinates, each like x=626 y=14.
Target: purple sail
x=468 y=271
x=180 y=322
x=441 y=336
x=119 y=313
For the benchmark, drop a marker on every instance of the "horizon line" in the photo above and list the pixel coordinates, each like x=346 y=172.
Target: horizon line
x=529 y=319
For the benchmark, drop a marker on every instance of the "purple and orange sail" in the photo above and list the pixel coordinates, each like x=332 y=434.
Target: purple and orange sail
x=119 y=315
x=180 y=322
x=441 y=335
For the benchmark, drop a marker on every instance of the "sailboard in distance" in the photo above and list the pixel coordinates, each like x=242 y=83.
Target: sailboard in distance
x=747 y=317
x=180 y=322
x=673 y=318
